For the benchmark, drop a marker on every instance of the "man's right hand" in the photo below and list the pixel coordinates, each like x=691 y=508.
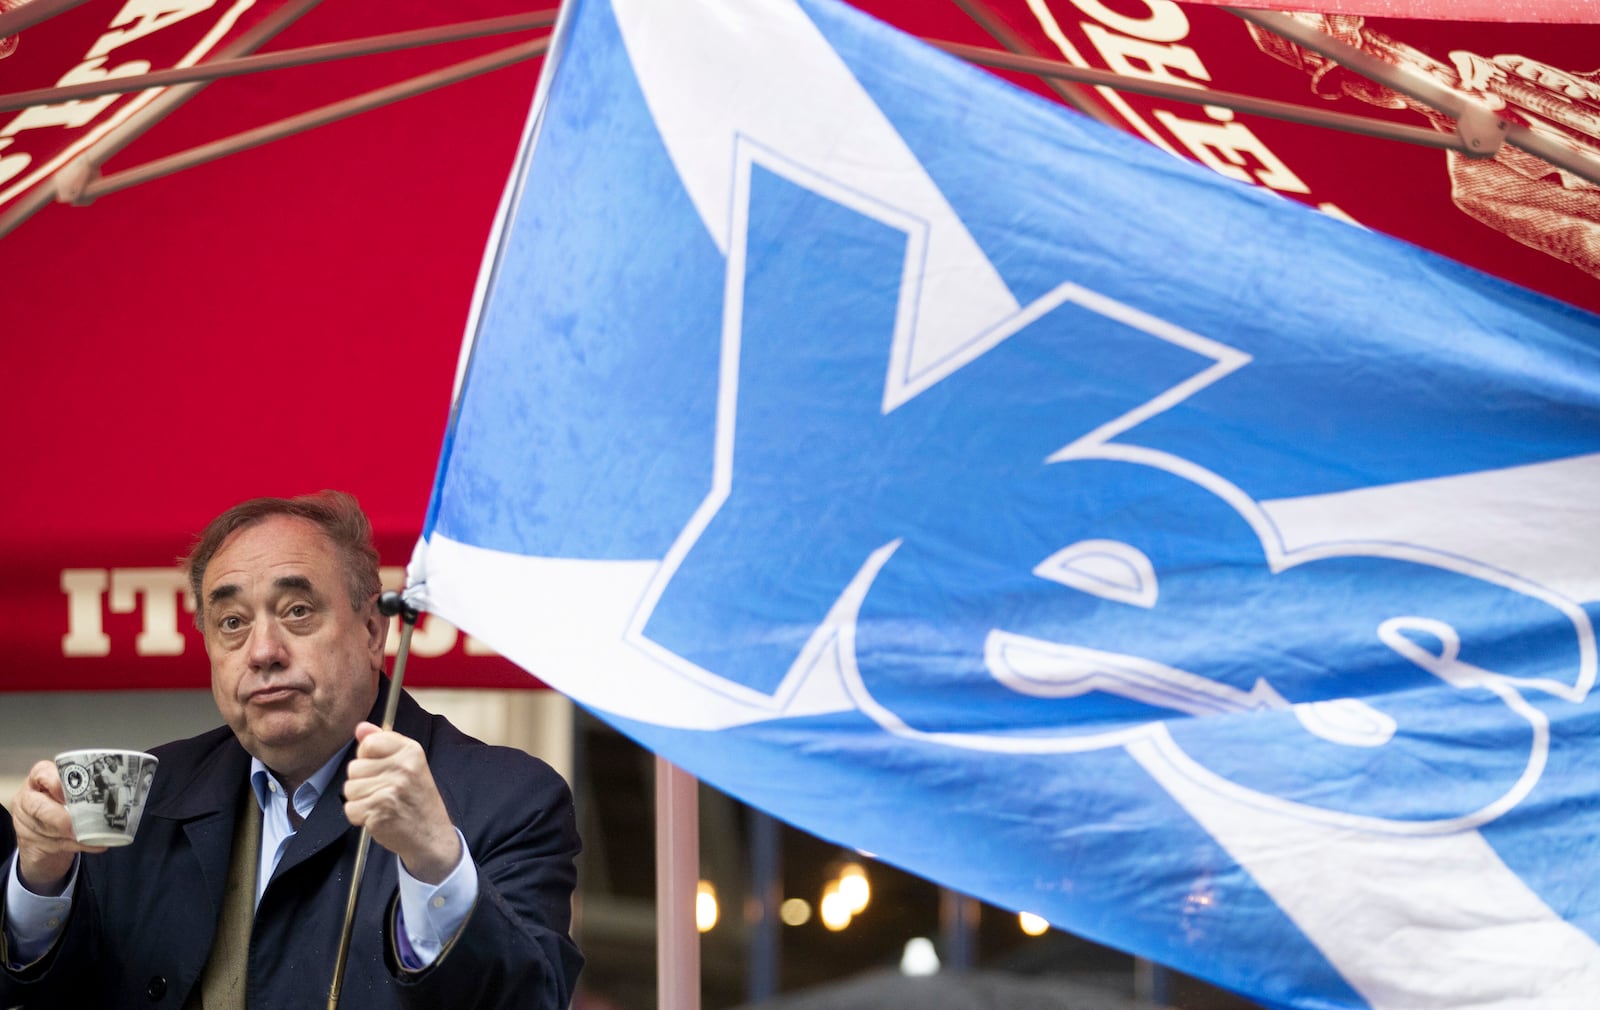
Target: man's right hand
x=46 y=843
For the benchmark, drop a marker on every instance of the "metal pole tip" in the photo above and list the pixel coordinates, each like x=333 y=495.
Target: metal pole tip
x=391 y=604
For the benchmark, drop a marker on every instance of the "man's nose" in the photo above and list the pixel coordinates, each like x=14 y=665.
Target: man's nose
x=267 y=646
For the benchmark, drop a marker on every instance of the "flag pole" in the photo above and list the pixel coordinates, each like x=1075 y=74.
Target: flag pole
x=389 y=604
x=677 y=883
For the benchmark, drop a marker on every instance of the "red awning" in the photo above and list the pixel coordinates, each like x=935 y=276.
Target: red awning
x=275 y=322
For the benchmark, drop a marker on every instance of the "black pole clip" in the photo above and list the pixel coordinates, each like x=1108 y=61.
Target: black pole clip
x=392 y=603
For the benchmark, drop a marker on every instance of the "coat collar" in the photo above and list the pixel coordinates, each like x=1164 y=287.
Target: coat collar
x=204 y=785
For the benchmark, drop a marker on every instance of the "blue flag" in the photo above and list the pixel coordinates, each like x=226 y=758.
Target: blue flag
x=971 y=484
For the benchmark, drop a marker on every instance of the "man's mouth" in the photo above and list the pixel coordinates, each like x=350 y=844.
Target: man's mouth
x=271 y=695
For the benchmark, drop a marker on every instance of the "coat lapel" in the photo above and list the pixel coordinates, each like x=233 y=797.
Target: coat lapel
x=205 y=808
x=325 y=827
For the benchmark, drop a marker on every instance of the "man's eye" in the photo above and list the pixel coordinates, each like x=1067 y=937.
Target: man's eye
x=299 y=610
x=230 y=623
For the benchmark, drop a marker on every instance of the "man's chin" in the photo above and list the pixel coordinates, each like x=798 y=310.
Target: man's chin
x=283 y=744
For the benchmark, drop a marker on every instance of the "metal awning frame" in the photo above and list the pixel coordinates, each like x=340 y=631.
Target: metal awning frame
x=1479 y=133
x=15 y=19
x=80 y=181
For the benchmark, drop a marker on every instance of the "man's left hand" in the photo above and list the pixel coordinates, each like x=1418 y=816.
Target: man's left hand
x=390 y=791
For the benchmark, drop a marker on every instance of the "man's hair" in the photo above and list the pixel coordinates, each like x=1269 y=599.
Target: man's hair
x=335 y=513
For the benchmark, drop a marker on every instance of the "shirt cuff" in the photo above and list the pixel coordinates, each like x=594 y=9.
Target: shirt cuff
x=431 y=914
x=33 y=921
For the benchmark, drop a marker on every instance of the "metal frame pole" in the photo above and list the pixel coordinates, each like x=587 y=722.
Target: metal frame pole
x=17 y=16
x=766 y=894
x=163 y=102
x=215 y=70
x=1286 y=111
x=677 y=882
x=958 y=931
x=980 y=12
x=1479 y=129
x=82 y=190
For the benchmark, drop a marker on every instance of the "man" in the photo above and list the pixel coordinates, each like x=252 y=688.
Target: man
x=233 y=893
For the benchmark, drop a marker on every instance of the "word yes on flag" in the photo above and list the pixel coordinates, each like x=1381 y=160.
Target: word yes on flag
x=973 y=485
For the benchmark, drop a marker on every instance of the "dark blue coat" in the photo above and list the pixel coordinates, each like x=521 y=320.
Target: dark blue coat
x=143 y=916
x=8 y=836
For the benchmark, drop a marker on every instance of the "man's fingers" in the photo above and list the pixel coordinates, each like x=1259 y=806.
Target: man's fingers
x=46 y=826
x=44 y=778
x=45 y=813
x=46 y=841
x=42 y=808
x=374 y=804
x=358 y=787
x=381 y=804
x=390 y=790
x=403 y=762
x=380 y=744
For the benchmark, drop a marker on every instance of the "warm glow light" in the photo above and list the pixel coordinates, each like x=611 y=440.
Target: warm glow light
x=795 y=911
x=1032 y=924
x=855 y=888
x=705 y=907
x=835 y=909
x=919 y=957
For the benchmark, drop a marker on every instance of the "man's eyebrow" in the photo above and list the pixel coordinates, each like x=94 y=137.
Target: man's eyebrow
x=299 y=582
x=228 y=590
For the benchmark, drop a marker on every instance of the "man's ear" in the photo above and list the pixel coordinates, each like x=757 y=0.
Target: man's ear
x=377 y=625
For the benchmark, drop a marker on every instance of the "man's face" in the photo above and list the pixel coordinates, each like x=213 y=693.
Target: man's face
x=293 y=667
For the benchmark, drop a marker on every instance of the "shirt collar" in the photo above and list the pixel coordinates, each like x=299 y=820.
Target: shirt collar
x=311 y=787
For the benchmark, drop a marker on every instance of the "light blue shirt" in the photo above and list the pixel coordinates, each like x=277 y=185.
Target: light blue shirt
x=275 y=829
x=429 y=914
